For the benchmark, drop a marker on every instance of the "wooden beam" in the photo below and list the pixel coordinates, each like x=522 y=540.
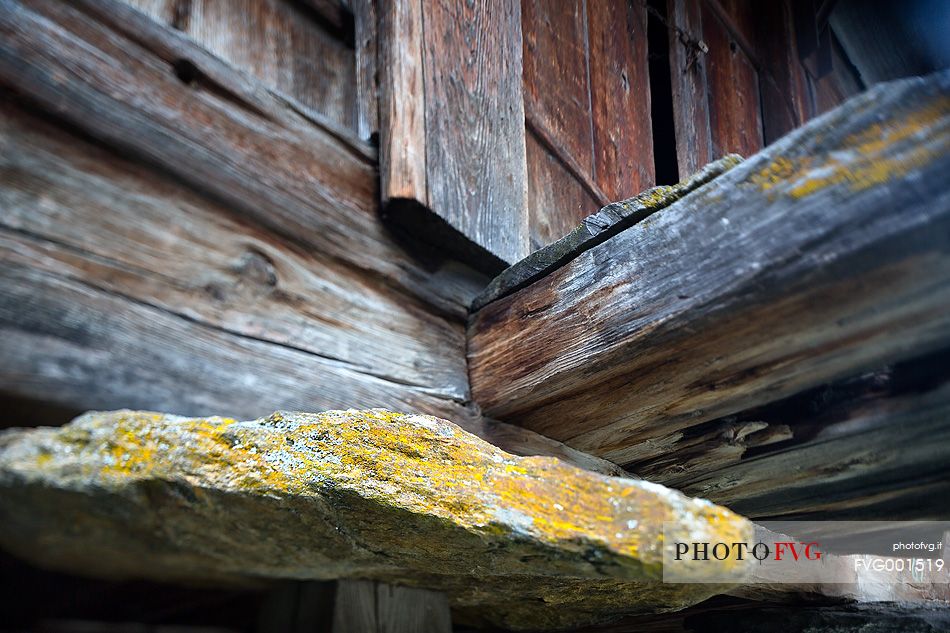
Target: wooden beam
x=148 y=90
x=475 y=149
x=870 y=446
x=366 y=39
x=694 y=146
x=822 y=255
x=402 y=152
x=122 y=287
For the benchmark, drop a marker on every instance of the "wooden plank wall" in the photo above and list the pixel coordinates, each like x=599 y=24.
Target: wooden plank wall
x=305 y=50
x=204 y=247
x=738 y=80
x=587 y=110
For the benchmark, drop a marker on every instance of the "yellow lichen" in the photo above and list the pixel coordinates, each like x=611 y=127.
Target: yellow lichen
x=867 y=158
x=421 y=464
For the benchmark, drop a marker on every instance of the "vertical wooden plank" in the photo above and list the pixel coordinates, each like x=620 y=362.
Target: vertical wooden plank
x=557 y=202
x=733 y=91
x=620 y=98
x=688 y=64
x=474 y=122
x=365 y=40
x=556 y=82
x=363 y=606
x=410 y=610
x=782 y=78
x=354 y=608
x=402 y=143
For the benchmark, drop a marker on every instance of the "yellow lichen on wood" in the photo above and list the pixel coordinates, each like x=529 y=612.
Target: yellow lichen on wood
x=883 y=151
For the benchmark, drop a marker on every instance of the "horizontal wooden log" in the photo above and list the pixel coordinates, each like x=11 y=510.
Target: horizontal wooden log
x=149 y=91
x=872 y=446
x=69 y=343
x=824 y=255
x=595 y=229
x=76 y=210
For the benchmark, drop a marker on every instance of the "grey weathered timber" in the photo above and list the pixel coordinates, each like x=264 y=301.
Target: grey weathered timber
x=374 y=495
x=77 y=211
x=366 y=36
x=872 y=446
x=823 y=255
x=596 y=228
x=122 y=287
x=476 y=176
x=362 y=606
x=149 y=91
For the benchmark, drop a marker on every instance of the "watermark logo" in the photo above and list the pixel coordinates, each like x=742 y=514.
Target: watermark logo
x=884 y=552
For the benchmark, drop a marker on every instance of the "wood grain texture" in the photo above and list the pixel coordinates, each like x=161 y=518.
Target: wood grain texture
x=744 y=291
x=81 y=212
x=733 y=88
x=354 y=609
x=782 y=79
x=556 y=78
x=871 y=446
x=299 y=49
x=587 y=110
x=411 y=610
x=127 y=286
x=111 y=71
x=688 y=67
x=161 y=10
x=402 y=152
x=556 y=200
x=366 y=38
x=620 y=98
x=474 y=122
x=282 y=47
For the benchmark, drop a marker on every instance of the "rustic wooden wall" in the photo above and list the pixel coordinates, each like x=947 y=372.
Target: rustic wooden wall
x=587 y=110
x=304 y=52
x=198 y=243
x=740 y=80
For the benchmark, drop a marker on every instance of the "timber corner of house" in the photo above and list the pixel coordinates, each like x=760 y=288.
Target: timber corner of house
x=356 y=316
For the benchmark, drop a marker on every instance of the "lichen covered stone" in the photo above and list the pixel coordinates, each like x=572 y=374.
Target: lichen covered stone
x=522 y=542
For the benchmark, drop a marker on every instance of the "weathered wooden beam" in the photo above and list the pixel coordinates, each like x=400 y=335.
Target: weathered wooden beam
x=142 y=292
x=402 y=152
x=148 y=90
x=870 y=446
x=453 y=119
x=366 y=39
x=401 y=499
x=823 y=255
x=596 y=229
x=694 y=146
x=476 y=173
